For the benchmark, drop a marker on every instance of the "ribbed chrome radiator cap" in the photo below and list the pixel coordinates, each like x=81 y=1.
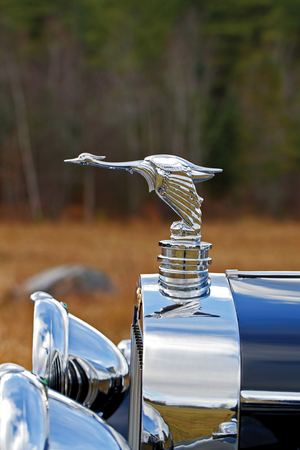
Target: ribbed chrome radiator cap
x=183 y=272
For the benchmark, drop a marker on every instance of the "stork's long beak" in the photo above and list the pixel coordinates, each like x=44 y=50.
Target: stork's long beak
x=74 y=161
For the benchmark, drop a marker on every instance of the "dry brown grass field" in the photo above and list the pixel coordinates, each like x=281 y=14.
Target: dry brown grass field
x=123 y=252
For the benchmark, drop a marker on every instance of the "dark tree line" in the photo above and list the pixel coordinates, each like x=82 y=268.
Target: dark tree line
x=212 y=81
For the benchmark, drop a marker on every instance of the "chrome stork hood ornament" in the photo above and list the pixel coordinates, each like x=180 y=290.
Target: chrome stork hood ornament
x=183 y=272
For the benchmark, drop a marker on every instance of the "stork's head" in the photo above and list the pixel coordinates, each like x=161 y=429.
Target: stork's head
x=85 y=159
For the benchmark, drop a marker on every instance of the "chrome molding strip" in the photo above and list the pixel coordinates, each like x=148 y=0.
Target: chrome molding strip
x=269 y=397
x=261 y=274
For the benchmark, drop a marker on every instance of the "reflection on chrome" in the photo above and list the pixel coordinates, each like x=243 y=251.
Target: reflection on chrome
x=76 y=359
x=186 y=309
x=155 y=431
x=33 y=417
x=226 y=429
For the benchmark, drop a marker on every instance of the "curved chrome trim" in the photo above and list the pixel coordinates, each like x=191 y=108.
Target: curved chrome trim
x=191 y=360
x=50 y=341
x=269 y=397
x=125 y=348
x=232 y=273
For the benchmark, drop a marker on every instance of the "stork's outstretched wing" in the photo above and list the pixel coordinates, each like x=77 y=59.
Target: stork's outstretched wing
x=178 y=191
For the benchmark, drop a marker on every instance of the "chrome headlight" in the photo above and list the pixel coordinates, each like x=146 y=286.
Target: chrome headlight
x=35 y=417
x=75 y=359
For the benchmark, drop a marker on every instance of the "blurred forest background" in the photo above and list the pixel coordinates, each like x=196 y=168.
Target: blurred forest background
x=214 y=81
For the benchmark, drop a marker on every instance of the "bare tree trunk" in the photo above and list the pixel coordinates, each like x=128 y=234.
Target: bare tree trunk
x=23 y=134
x=134 y=148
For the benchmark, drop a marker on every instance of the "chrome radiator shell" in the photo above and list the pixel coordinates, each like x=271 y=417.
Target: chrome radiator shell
x=191 y=364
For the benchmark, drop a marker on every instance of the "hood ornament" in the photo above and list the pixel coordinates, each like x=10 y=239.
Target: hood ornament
x=182 y=273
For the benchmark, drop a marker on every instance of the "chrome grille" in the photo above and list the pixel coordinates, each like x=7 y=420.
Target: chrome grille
x=135 y=399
